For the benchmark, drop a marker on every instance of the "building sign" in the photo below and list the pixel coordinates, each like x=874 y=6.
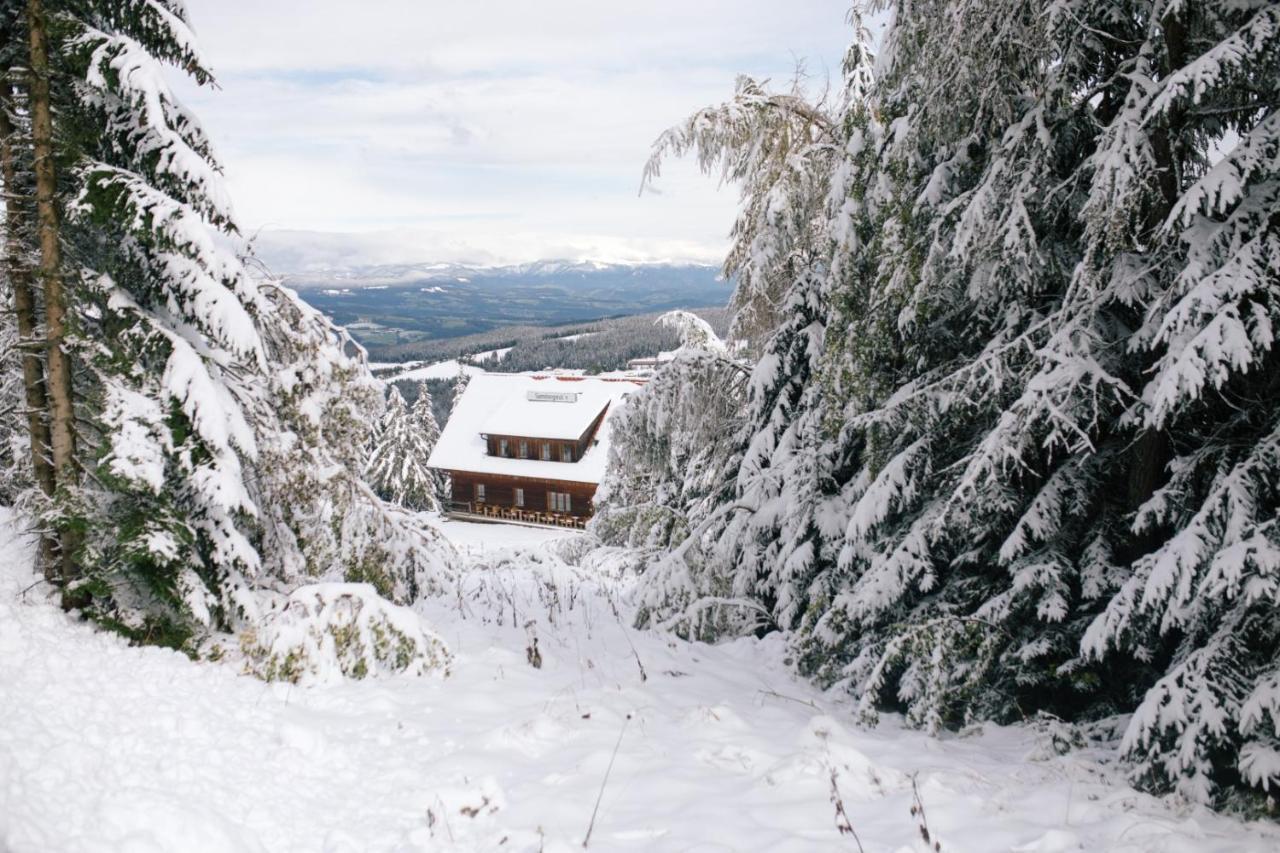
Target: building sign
x=552 y=396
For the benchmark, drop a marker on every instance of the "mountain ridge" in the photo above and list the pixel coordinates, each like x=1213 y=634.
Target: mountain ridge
x=387 y=275
x=392 y=304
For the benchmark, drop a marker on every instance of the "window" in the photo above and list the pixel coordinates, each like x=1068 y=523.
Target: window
x=524 y=449
x=546 y=451
x=502 y=447
x=519 y=497
x=479 y=492
x=566 y=453
x=559 y=502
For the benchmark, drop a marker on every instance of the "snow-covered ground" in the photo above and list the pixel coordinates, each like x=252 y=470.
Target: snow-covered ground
x=438 y=370
x=478 y=539
x=104 y=747
x=495 y=354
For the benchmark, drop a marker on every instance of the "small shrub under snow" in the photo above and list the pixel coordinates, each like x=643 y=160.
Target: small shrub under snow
x=329 y=631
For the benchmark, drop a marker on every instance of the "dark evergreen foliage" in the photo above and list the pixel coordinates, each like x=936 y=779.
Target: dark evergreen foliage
x=1011 y=444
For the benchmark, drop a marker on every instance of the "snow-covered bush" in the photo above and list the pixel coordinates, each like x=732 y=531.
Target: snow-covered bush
x=325 y=632
x=695 y=332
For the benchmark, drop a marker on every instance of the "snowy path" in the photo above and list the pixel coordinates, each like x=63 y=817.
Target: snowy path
x=109 y=748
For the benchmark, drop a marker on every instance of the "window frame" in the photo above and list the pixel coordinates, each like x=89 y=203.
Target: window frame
x=478 y=492
x=519 y=497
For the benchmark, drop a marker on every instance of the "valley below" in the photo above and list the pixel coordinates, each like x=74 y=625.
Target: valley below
x=394 y=310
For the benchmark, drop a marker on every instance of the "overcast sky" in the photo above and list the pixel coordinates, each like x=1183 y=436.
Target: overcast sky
x=391 y=131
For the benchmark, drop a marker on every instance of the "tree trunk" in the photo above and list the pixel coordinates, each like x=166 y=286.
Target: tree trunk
x=1151 y=454
x=58 y=364
x=1152 y=451
x=24 y=306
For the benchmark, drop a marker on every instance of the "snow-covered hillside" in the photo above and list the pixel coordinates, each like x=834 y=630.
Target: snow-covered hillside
x=110 y=748
x=438 y=370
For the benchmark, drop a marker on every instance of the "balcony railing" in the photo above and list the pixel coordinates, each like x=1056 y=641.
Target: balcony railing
x=493 y=512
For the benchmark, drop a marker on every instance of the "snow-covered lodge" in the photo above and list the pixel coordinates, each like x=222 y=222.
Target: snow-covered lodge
x=529 y=447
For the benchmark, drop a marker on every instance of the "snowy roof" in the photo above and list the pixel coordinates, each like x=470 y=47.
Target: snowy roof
x=533 y=405
x=550 y=407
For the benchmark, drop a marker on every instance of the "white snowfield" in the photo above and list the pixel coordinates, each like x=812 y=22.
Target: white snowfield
x=438 y=370
x=482 y=540
x=104 y=747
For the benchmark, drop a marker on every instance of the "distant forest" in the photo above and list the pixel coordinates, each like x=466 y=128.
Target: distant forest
x=388 y=309
x=594 y=347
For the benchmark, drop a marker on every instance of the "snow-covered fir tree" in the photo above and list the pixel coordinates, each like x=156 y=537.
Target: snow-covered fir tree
x=1011 y=444
x=29 y=481
x=455 y=394
x=459 y=385
x=15 y=469
x=397 y=467
x=423 y=414
x=785 y=153
x=14 y=465
x=207 y=428
x=319 y=519
x=165 y=327
x=955 y=589
x=673 y=441
x=1182 y=231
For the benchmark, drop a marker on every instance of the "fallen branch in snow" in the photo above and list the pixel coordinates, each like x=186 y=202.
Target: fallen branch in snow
x=22 y=593
x=644 y=676
x=776 y=695
x=917 y=811
x=444 y=818
x=843 y=824
x=627 y=635
x=605 y=781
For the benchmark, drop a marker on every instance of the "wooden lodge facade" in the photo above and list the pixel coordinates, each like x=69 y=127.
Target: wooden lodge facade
x=521 y=498
x=528 y=449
